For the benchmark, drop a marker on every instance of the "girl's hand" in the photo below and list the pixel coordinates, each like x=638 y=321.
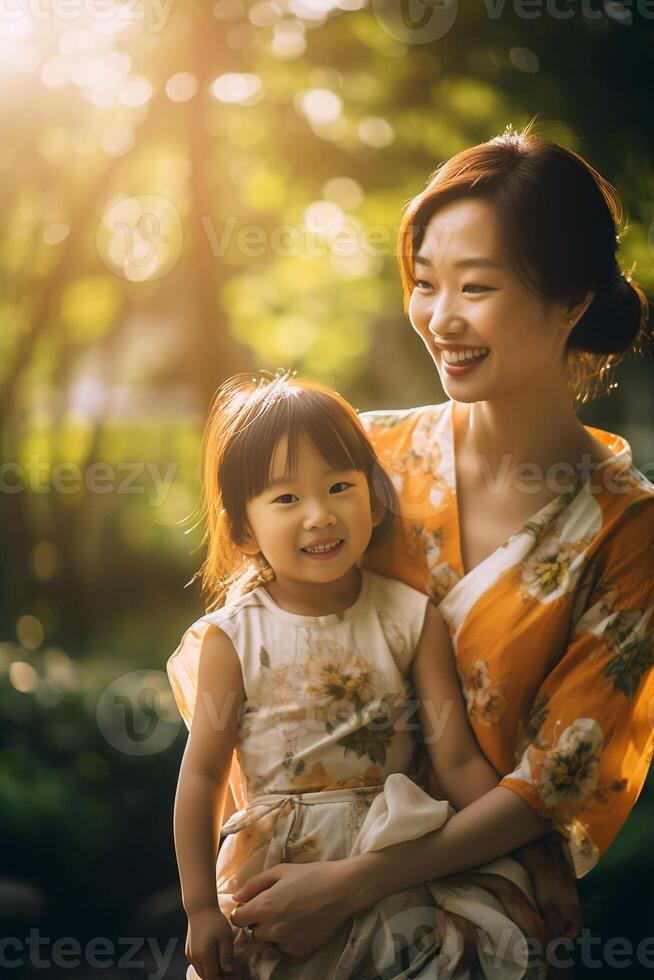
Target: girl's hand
x=298 y=907
x=554 y=886
x=210 y=944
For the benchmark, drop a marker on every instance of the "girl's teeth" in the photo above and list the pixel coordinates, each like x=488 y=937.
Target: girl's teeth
x=324 y=547
x=471 y=354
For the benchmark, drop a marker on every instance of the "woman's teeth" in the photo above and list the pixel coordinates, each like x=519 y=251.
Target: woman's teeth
x=458 y=357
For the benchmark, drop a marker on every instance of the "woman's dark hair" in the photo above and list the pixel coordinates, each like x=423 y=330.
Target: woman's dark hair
x=247 y=418
x=559 y=223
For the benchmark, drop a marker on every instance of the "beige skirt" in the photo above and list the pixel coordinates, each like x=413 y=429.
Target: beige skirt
x=466 y=926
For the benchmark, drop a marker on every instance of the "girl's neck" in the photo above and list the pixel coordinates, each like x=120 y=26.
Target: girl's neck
x=316 y=598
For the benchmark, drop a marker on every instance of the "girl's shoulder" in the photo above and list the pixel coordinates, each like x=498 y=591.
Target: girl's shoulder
x=399 y=613
x=395 y=601
x=234 y=609
x=386 y=589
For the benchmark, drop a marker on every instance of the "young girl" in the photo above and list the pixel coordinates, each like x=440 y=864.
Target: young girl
x=318 y=676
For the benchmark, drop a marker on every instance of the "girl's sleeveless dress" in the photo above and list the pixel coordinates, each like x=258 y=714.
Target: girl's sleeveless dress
x=325 y=751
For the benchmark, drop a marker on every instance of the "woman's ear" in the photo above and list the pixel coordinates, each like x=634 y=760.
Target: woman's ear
x=575 y=311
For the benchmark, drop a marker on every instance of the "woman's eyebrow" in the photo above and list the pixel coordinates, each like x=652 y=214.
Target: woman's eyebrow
x=474 y=260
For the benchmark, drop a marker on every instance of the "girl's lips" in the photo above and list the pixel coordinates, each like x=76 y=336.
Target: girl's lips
x=324 y=555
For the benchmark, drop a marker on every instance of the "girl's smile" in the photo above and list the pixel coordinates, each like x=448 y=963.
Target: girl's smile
x=322 y=550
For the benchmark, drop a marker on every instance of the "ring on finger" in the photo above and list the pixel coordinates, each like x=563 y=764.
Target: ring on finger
x=249 y=932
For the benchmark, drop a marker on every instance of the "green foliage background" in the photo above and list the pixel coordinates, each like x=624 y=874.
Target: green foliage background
x=107 y=361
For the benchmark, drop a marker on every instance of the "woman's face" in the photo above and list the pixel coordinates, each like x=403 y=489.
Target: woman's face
x=487 y=334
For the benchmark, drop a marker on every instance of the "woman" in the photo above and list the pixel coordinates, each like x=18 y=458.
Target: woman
x=533 y=532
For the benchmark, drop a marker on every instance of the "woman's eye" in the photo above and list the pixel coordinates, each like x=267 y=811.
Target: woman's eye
x=283 y=498
x=422 y=284
x=341 y=483
x=477 y=287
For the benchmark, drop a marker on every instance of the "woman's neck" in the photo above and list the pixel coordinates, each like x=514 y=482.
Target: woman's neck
x=538 y=428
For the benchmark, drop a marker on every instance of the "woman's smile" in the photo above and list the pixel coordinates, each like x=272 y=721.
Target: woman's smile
x=461 y=360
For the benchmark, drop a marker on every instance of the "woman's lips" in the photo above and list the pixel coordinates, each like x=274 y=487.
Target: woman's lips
x=455 y=370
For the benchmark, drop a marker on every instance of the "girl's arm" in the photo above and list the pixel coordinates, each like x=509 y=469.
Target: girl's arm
x=462 y=770
x=204 y=772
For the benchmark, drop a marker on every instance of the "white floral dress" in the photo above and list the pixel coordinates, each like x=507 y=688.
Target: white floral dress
x=325 y=750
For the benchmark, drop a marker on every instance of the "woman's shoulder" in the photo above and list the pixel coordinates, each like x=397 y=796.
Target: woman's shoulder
x=626 y=541
x=377 y=422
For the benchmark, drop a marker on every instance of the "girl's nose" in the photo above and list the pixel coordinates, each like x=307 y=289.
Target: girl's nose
x=319 y=516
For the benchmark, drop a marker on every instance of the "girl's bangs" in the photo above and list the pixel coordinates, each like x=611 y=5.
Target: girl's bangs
x=310 y=415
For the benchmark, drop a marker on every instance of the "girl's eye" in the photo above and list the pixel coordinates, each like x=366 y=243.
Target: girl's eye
x=341 y=483
x=476 y=287
x=283 y=498
x=422 y=284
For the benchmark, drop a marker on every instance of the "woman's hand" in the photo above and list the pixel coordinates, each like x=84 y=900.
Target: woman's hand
x=298 y=907
x=554 y=886
x=210 y=944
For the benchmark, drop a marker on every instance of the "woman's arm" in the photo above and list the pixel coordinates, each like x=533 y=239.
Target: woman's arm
x=204 y=772
x=301 y=907
x=488 y=828
x=462 y=770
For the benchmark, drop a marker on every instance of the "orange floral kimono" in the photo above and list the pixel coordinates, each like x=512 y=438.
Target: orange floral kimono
x=552 y=632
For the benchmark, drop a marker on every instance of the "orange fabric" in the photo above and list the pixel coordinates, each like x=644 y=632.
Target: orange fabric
x=552 y=632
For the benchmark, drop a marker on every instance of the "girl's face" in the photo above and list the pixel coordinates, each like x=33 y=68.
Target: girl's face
x=487 y=334
x=315 y=506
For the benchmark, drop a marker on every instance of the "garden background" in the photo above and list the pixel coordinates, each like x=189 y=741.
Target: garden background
x=189 y=190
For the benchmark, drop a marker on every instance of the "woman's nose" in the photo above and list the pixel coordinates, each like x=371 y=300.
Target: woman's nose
x=445 y=323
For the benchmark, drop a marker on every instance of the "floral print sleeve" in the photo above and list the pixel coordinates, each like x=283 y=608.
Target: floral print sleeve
x=590 y=729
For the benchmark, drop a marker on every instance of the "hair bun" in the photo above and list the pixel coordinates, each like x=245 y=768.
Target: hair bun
x=613 y=320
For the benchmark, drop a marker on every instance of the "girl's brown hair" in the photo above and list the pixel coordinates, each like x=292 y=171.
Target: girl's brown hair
x=246 y=420
x=558 y=222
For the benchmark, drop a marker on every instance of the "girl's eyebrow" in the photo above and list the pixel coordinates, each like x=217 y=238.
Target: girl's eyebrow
x=281 y=481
